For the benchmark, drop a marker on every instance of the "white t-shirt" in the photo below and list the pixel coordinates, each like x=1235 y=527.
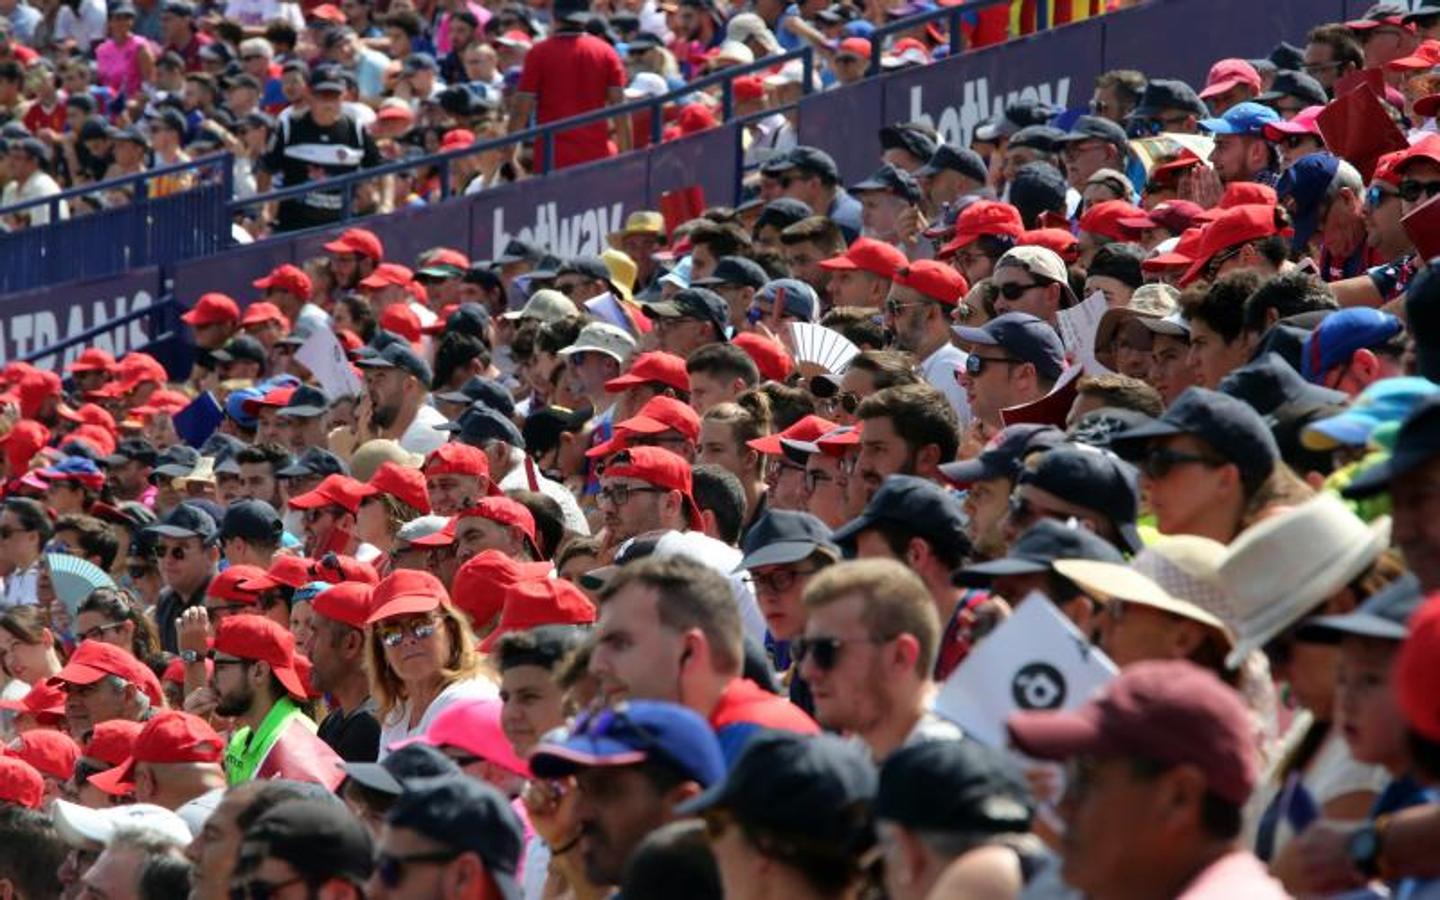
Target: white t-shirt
x=36 y=186
x=421 y=437
x=518 y=480
x=939 y=370
x=85 y=25
x=261 y=12
x=396 y=726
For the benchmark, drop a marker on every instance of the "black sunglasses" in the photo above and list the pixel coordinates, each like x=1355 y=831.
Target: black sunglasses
x=1013 y=290
x=824 y=652
x=1161 y=460
x=1412 y=190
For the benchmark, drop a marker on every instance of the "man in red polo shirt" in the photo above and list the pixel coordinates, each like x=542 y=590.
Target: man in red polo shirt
x=569 y=74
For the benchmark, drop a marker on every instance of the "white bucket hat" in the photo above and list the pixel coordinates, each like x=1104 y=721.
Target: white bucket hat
x=1278 y=571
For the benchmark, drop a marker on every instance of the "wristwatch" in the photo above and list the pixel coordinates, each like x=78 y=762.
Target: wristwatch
x=1364 y=847
x=189 y=657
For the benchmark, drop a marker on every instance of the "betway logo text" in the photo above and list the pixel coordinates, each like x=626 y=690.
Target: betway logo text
x=578 y=234
x=957 y=123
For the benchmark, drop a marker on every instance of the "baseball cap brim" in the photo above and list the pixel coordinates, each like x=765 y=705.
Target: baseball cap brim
x=401 y=606
x=778 y=553
x=373 y=776
x=79 y=673
x=981 y=574
x=1057 y=735
x=968 y=471
x=80 y=825
x=1154 y=429
x=851 y=529
x=1348 y=429
x=576 y=753
x=1328 y=629
x=294 y=470
x=835 y=263
x=972 y=335
x=302 y=412
x=1377 y=478
x=117 y=781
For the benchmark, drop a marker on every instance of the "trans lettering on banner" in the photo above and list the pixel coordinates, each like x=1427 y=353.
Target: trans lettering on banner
x=957 y=123
x=35 y=320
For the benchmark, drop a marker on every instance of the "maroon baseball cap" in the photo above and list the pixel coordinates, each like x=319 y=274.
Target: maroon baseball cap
x=1172 y=712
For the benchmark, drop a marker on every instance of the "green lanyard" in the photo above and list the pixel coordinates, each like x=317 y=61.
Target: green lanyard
x=243 y=755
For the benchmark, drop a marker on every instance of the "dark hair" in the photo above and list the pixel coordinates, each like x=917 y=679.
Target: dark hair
x=118 y=605
x=405 y=20
x=1424 y=754
x=1128 y=85
x=33 y=853
x=1287 y=294
x=689 y=595
x=267 y=796
x=549 y=519
x=788 y=405
x=952 y=553
x=274 y=455
x=457 y=350
x=556 y=336
x=887 y=368
x=994 y=245
x=719 y=491
x=673 y=861
x=772 y=262
x=1220 y=818
x=1221 y=304
x=546 y=646
x=1123 y=392
x=24 y=623
x=361 y=313
x=817 y=230
x=165 y=878
x=1120 y=261
x=32 y=516
x=920 y=415
x=858 y=324
x=97 y=538
x=10 y=71
x=723 y=362
x=1343 y=46
x=721 y=240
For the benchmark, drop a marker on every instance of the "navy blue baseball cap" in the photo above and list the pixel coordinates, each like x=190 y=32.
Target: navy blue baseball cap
x=634 y=732
x=1303 y=189
x=1023 y=336
x=1268 y=383
x=251 y=520
x=819 y=787
x=955 y=159
x=785 y=536
x=418 y=760
x=466 y=815
x=915 y=504
x=1163 y=94
x=240 y=348
x=481 y=423
x=1417 y=443
x=315 y=461
x=399 y=355
x=186 y=521
x=893 y=179
x=782 y=212
x=954 y=787
x=1004 y=454
x=1231 y=427
x=306 y=403
x=1386 y=615
x=692 y=303
x=1035 y=550
x=176 y=461
x=487 y=390
x=800 y=300
x=1092 y=478
x=132 y=450
x=912 y=137
x=734 y=270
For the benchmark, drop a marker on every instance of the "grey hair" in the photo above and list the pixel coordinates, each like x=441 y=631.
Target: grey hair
x=119 y=684
x=1346 y=176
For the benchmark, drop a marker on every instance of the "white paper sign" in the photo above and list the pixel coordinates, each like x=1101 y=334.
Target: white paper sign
x=325 y=358
x=1035 y=660
x=1078 y=325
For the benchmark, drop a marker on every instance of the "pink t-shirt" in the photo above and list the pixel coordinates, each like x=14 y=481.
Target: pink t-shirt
x=1234 y=875
x=118 y=66
x=442 y=33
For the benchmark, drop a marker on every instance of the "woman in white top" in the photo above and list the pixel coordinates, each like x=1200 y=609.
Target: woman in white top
x=420 y=654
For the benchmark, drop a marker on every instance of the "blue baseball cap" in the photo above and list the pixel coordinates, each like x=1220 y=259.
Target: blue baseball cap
x=785 y=536
x=1025 y=337
x=1336 y=339
x=634 y=732
x=918 y=505
x=1302 y=189
x=1231 y=427
x=1248 y=119
x=1416 y=443
x=1387 y=401
x=73 y=468
x=481 y=423
x=1035 y=550
x=1004 y=454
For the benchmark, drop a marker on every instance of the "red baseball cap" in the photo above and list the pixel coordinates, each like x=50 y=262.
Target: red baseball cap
x=1242 y=193
x=661 y=468
x=1385 y=169
x=867 y=255
x=93 y=660
x=655 y=367
x=1169 y=711
x=854 y=46
x=405 y=592
x=808 y=428
x=1416 y=675
x=22 y=442
x=1227 y=74
x=336 y=490
x=936 y=280
x=655 y=417
x=231 y=585
x=93 y=359
x=1107 y=220
x=348 y=602
x=769 y=356
x=175 y=672
x=337 y=568
x=328 y=12
x=96 y=437
x=284 y=571
x=286 y=278
x=264 y=311
x=170 y=736
x=481 y=581
x=981 y=218
x=44 y=701
x=456 y=459
x=112 y=742
x=264 y=640
x=35 y=388
x=402 y=482
x=1181 y=256
x=748 y=87
x=1057 y=240
x=504 y=511
x=543 y=601
x=1234 y=226
x=474 y=726
x=457 y=139
x=1176 y=215
x=1304 y=122
x=1427 y=147
x=51 y=752
x=276 y=397
x=388 y=274
x=447 y=256
x=210 y=309
x=1368 y=23
x=20 y=783
x=401 y=319
x=89 y=414
x=359 y=241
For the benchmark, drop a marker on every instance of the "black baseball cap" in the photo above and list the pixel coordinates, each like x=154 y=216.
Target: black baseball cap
x=543 y=428
x=241 y=348
x=470 y=318
x=819 y=787
x=735 y=270
x=1042 y=138
x=520 y=251
x=320 y=839
x=1163 y=94
x=785 y=536
x=1036 y=550
x=1417 y=443
x=185 y=521
x=478 y=387
x=1098 y=426
x=890 y=178
x=411 y=761
x=176 y=461
x=306 y=403
x=1004 y=454
x=915 y=504
x=912 y=137
x=807 y=159
x=692 y=303
x=1230 y=426
x=481 y=423
x=314 y=462
x=1269 y=382
x=399 y=356
x=220 y=446
x=467 y=815
x=782 y=212
x=251 y=520
x=589 y=266
x=132 y=450
x=954 y=787
x=1295 y=84
x=1019 y=114
x=1386 y=615
x=1024 y=337
x=955 y=159
x=1094 y=479
x=1094 y=127
x=326 y=78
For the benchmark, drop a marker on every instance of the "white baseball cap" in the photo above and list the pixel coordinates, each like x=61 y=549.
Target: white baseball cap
x=80 y=826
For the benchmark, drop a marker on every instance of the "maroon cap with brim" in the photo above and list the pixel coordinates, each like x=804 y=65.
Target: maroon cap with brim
x=1172 y=712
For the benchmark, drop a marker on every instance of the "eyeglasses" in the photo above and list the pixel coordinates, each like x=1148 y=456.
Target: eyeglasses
x=391 y=869
x=824 y=652
x=175 y=553
x=1014 y=290
x=1412 y=190
x=847 y=400
x=780 y=579
x=261 y=890
x=816 y=477
x=1160 y=460
x=93 y=634
x=893 y=307
x=392 y=635
x=1317 y=68
x=975 y=363
x=619 y=494
x=1377 y=194
x=1295 y=141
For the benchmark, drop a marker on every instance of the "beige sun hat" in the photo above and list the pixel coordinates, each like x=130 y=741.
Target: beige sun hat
x=371 y=455
x=1278 y=571
x=1150 y=301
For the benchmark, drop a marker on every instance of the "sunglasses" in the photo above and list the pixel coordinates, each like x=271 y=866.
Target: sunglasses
x=93 y=634
x=846 y=400
x=1412 y=190
x=175 y=553
x=975 y=363
x=824 y=652
x=392 y=635
x=893 y=307
x=780 y=579
x=1161 y=460
x=261 y=890
x=391 y=869
x=1014 y=290
x=1377 y=194
x=137 y=572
